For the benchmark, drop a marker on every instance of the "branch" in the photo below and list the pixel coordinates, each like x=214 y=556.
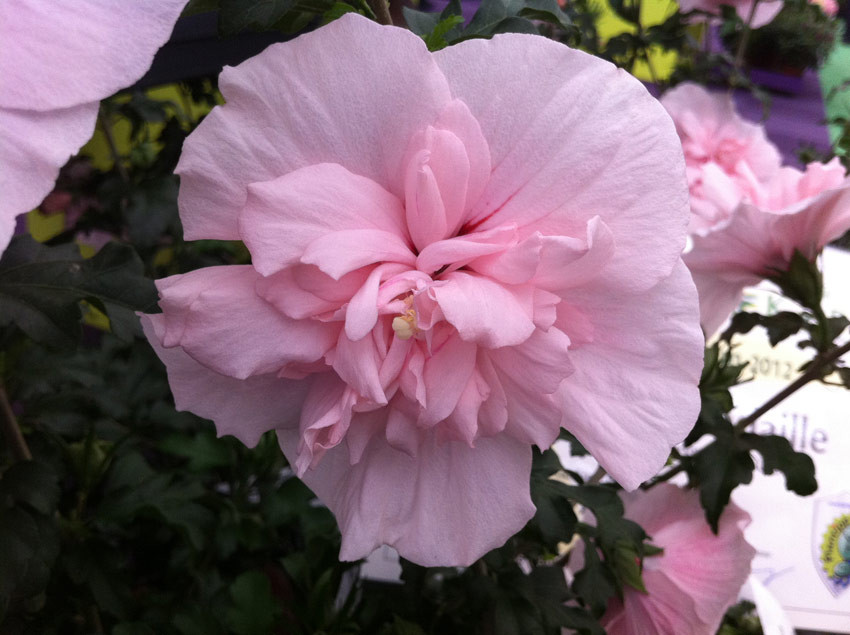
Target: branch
x=382 y=11
x=811 y=373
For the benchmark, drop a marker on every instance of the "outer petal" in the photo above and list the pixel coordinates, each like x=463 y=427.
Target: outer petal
x=565 y=142
x=65 y=53
x=352 y=93
x=635 y=383
x=709 y=568
x=244 y=408
x=447 y=506
x=33 y=146
x=307 y=205
x=215 y=315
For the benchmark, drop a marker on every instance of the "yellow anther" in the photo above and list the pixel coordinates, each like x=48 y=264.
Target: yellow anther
x=404 y=325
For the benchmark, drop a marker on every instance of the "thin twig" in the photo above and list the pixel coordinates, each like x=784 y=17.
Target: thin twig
x=382 y=11
x=11 y=430
x=598 y=475
x=745 y=36
x=811 y=373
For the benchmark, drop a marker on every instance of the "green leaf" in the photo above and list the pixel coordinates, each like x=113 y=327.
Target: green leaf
x=41 y=289
x=254 y=609
x=626 y=564
x=132 y=628
x=151 y=209
x=779 y=326
x=720 y=468
x=595 y=583
x=802 y=282
x=499 y=16
x=236 y=16
x=32 y=483
x=547 y=11
x=554 y=520
x=778 y=454
x=439 y=37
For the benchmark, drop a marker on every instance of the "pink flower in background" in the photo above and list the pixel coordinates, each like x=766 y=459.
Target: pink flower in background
x=765 y=11
x=725 y=155
x=696 y=578
x=829 y=7
x=453 y=255
x=58 y=59
x=793 y=211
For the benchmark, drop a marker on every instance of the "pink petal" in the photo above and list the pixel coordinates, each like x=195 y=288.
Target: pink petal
x=244 y=408
x=325 y=419
x=447 y=167
x=33 y=146
x=529 y=374
x=215 y=316
x=448 y=506
x=484 y=311
x=314 y=99
x=708 y=568
x=303 y=291
x=594 y=128
x=358 y=365
x=635 y=382
x=71 y=52
x=305 y=206
x=362 y=312
x=342 y=252
x=461 y=250
x=445 y=375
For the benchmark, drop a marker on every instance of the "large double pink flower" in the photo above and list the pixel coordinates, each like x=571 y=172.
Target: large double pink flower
x=696 y=578
x=58 y=59
x=454 y=255
x=725 y=155
x=793 y=211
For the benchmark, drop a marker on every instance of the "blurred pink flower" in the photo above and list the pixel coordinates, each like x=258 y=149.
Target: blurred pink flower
x=58 y=59
x=454 y=254
x=829 y=7
x=765 y=11
x=725 y=155
x=793 y=211
x=697 y=577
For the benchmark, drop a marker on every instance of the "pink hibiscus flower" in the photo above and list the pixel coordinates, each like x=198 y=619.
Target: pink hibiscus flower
x=795 y=210
x=696 y=578
x=58 y=59
x=725 y=155
x=766 y=10
x=454 y=254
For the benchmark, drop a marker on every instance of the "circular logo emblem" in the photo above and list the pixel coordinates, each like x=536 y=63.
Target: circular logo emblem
x=835 y=551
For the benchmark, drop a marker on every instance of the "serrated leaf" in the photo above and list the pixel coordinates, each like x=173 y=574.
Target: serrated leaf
x=802 y=282
x=720 y=468
x=41 y=292
x=32 y=483
x=236 y=16
x=594 y=583
x=778 y=454
x=254 y=609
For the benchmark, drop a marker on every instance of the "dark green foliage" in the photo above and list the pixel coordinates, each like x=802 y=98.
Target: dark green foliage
x=492 y=17
x=41 y=289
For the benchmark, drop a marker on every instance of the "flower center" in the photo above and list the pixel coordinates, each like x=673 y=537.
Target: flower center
x=404 y=325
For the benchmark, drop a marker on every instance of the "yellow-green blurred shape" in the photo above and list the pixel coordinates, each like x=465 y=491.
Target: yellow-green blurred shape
x=652 y=12
x=98 y=147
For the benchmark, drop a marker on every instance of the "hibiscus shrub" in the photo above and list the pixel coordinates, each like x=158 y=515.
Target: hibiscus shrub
x=391 y=267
